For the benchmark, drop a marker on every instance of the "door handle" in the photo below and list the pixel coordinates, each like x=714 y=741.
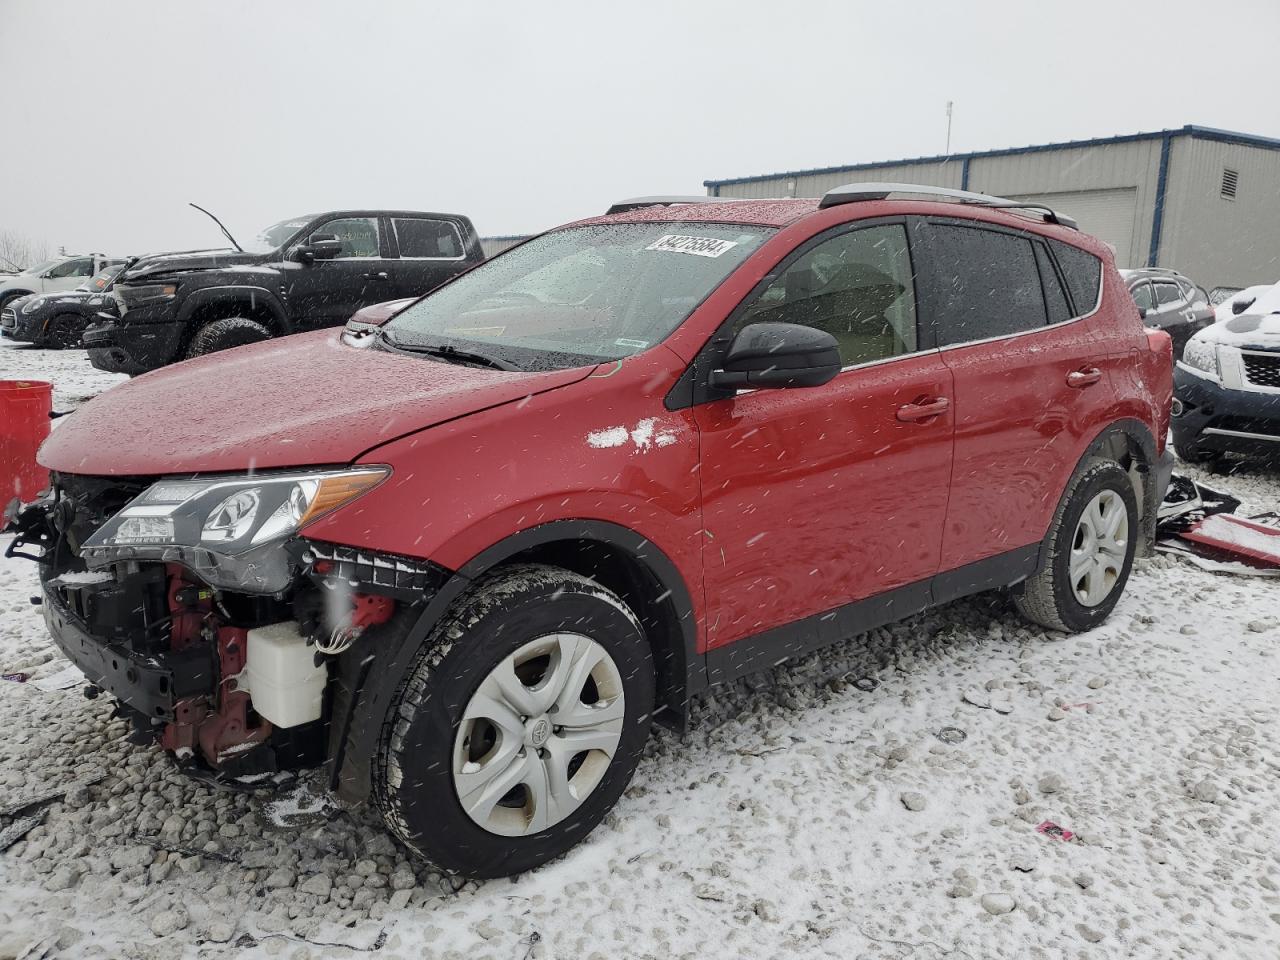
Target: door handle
x=380 y=275
x=924 y=410
x=1084 y=378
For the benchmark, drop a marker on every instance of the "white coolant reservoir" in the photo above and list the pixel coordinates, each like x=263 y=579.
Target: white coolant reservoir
x=283 y=680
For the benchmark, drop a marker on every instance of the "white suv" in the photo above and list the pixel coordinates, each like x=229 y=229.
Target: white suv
x=60 y=273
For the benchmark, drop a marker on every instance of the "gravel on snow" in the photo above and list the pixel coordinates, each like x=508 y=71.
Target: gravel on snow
x=804 y=814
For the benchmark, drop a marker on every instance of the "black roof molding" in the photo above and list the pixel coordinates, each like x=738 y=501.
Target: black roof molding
x=639 y=203
x=860 y=192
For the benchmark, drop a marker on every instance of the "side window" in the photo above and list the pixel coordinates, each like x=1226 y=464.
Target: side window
x=1167 y=293
x=1142 y=296
x=856 y=286
x=1055 y=298
x=989 y=283
x=79 y=267
x=427 y=239
x=359 y=235
x=1083 y=273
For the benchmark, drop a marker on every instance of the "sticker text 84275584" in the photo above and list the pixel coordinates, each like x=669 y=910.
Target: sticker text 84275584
x=698 y=246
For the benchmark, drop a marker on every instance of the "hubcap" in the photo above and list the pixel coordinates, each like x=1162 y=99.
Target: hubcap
x=1098 y=549
x=538 y=734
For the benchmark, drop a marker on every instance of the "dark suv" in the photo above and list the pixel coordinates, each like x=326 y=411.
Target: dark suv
x=474 y=549
x=1170 y=302
x=300 y=274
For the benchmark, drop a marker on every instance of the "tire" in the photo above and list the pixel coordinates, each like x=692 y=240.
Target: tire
x=225 y=334
x=1190 y=453
x=12 y=295
x=1053 y=597
x=443 y=763
x=63 y=331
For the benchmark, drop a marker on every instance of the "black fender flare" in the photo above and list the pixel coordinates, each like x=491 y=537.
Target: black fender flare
x=369 y=685
x=1134 y=437
x=236 y=293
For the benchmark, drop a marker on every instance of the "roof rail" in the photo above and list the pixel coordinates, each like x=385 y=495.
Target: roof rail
x=639 y=203
x=858 y=192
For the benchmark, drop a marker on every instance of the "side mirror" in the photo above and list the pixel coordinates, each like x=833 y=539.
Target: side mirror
x=321 y=246
x=772 y=355
x=1240 y=306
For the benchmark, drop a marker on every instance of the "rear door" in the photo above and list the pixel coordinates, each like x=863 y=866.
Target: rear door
x=327 y=292
x=1030 y=381
x=430 y=251
x=817 y=497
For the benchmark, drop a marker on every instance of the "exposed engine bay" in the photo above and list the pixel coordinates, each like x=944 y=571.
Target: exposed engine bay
x=234 y=684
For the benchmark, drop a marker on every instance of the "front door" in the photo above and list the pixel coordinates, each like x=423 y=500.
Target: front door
x=817 y=497
x=326 y=293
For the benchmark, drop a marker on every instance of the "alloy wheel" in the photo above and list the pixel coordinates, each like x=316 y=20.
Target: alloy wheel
x=538 y=735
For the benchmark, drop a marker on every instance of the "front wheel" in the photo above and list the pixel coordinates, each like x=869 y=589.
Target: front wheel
x=225 y=334
x=519 y=726
x=64 y=331
x=1091 y=546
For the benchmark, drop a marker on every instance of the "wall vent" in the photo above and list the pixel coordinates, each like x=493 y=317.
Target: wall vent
x=1229 y=180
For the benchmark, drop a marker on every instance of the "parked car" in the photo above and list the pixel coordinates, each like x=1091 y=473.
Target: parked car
x=1240 y=301
x=57 y=320
x=465 y=558
x=1170 y=302
x=1219 y=295
x=52 y=276
x=300 y=274
x=1227 y=385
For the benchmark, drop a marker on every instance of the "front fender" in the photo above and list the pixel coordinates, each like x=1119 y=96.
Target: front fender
x=257 y=296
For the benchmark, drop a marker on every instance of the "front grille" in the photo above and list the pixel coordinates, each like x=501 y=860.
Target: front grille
x=9 y=318
x=1262 y=369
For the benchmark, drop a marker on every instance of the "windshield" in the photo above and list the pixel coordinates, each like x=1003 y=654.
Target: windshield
x=102 y=279
x=275 y=235
x=581 y=295
x=45 y=265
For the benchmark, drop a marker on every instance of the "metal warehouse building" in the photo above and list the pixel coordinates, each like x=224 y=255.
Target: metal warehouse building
x=1203 y=201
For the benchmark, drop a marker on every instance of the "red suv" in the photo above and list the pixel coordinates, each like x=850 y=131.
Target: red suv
x=463 y=557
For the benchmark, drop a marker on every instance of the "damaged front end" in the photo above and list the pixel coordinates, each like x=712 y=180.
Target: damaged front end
x=199 y=606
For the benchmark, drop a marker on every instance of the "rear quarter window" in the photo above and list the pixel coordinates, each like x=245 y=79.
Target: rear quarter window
x=1083 y=274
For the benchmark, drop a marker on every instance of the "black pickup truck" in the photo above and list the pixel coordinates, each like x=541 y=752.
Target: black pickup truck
x=300 y=274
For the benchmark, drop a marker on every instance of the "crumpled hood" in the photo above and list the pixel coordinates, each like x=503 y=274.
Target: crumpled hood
x=298 y=401
x=162 y=264
x=1252 y=331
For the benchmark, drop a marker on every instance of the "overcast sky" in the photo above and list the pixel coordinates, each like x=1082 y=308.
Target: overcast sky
x=524 y=115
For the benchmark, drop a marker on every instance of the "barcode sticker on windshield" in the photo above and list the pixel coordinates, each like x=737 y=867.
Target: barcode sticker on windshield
x=698 y=246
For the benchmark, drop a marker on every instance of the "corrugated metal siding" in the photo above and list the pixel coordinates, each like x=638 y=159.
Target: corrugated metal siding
x=492 y=245
x=1123 y=166
x=1221 y=242
x=946 y=174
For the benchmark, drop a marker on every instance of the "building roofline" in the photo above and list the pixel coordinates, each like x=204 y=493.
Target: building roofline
x=1190 y=130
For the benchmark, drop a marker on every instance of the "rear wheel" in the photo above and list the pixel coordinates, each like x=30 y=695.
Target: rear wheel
x=1091 y=546
x=225 y=334
x=520 y=725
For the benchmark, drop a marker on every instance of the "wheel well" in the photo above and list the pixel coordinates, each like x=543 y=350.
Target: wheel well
x=640 y=589
x=251 y=308
x=1129 y=443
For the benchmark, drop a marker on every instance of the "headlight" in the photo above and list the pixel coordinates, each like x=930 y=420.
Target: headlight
x=227 y=530
x=1202 y=355
x=31 y=306
x=135 y=295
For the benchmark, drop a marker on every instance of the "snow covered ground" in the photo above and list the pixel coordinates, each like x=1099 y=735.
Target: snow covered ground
x=803 y=815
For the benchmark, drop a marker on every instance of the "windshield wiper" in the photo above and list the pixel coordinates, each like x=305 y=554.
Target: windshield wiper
x=225 y=232
x=446 y=352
